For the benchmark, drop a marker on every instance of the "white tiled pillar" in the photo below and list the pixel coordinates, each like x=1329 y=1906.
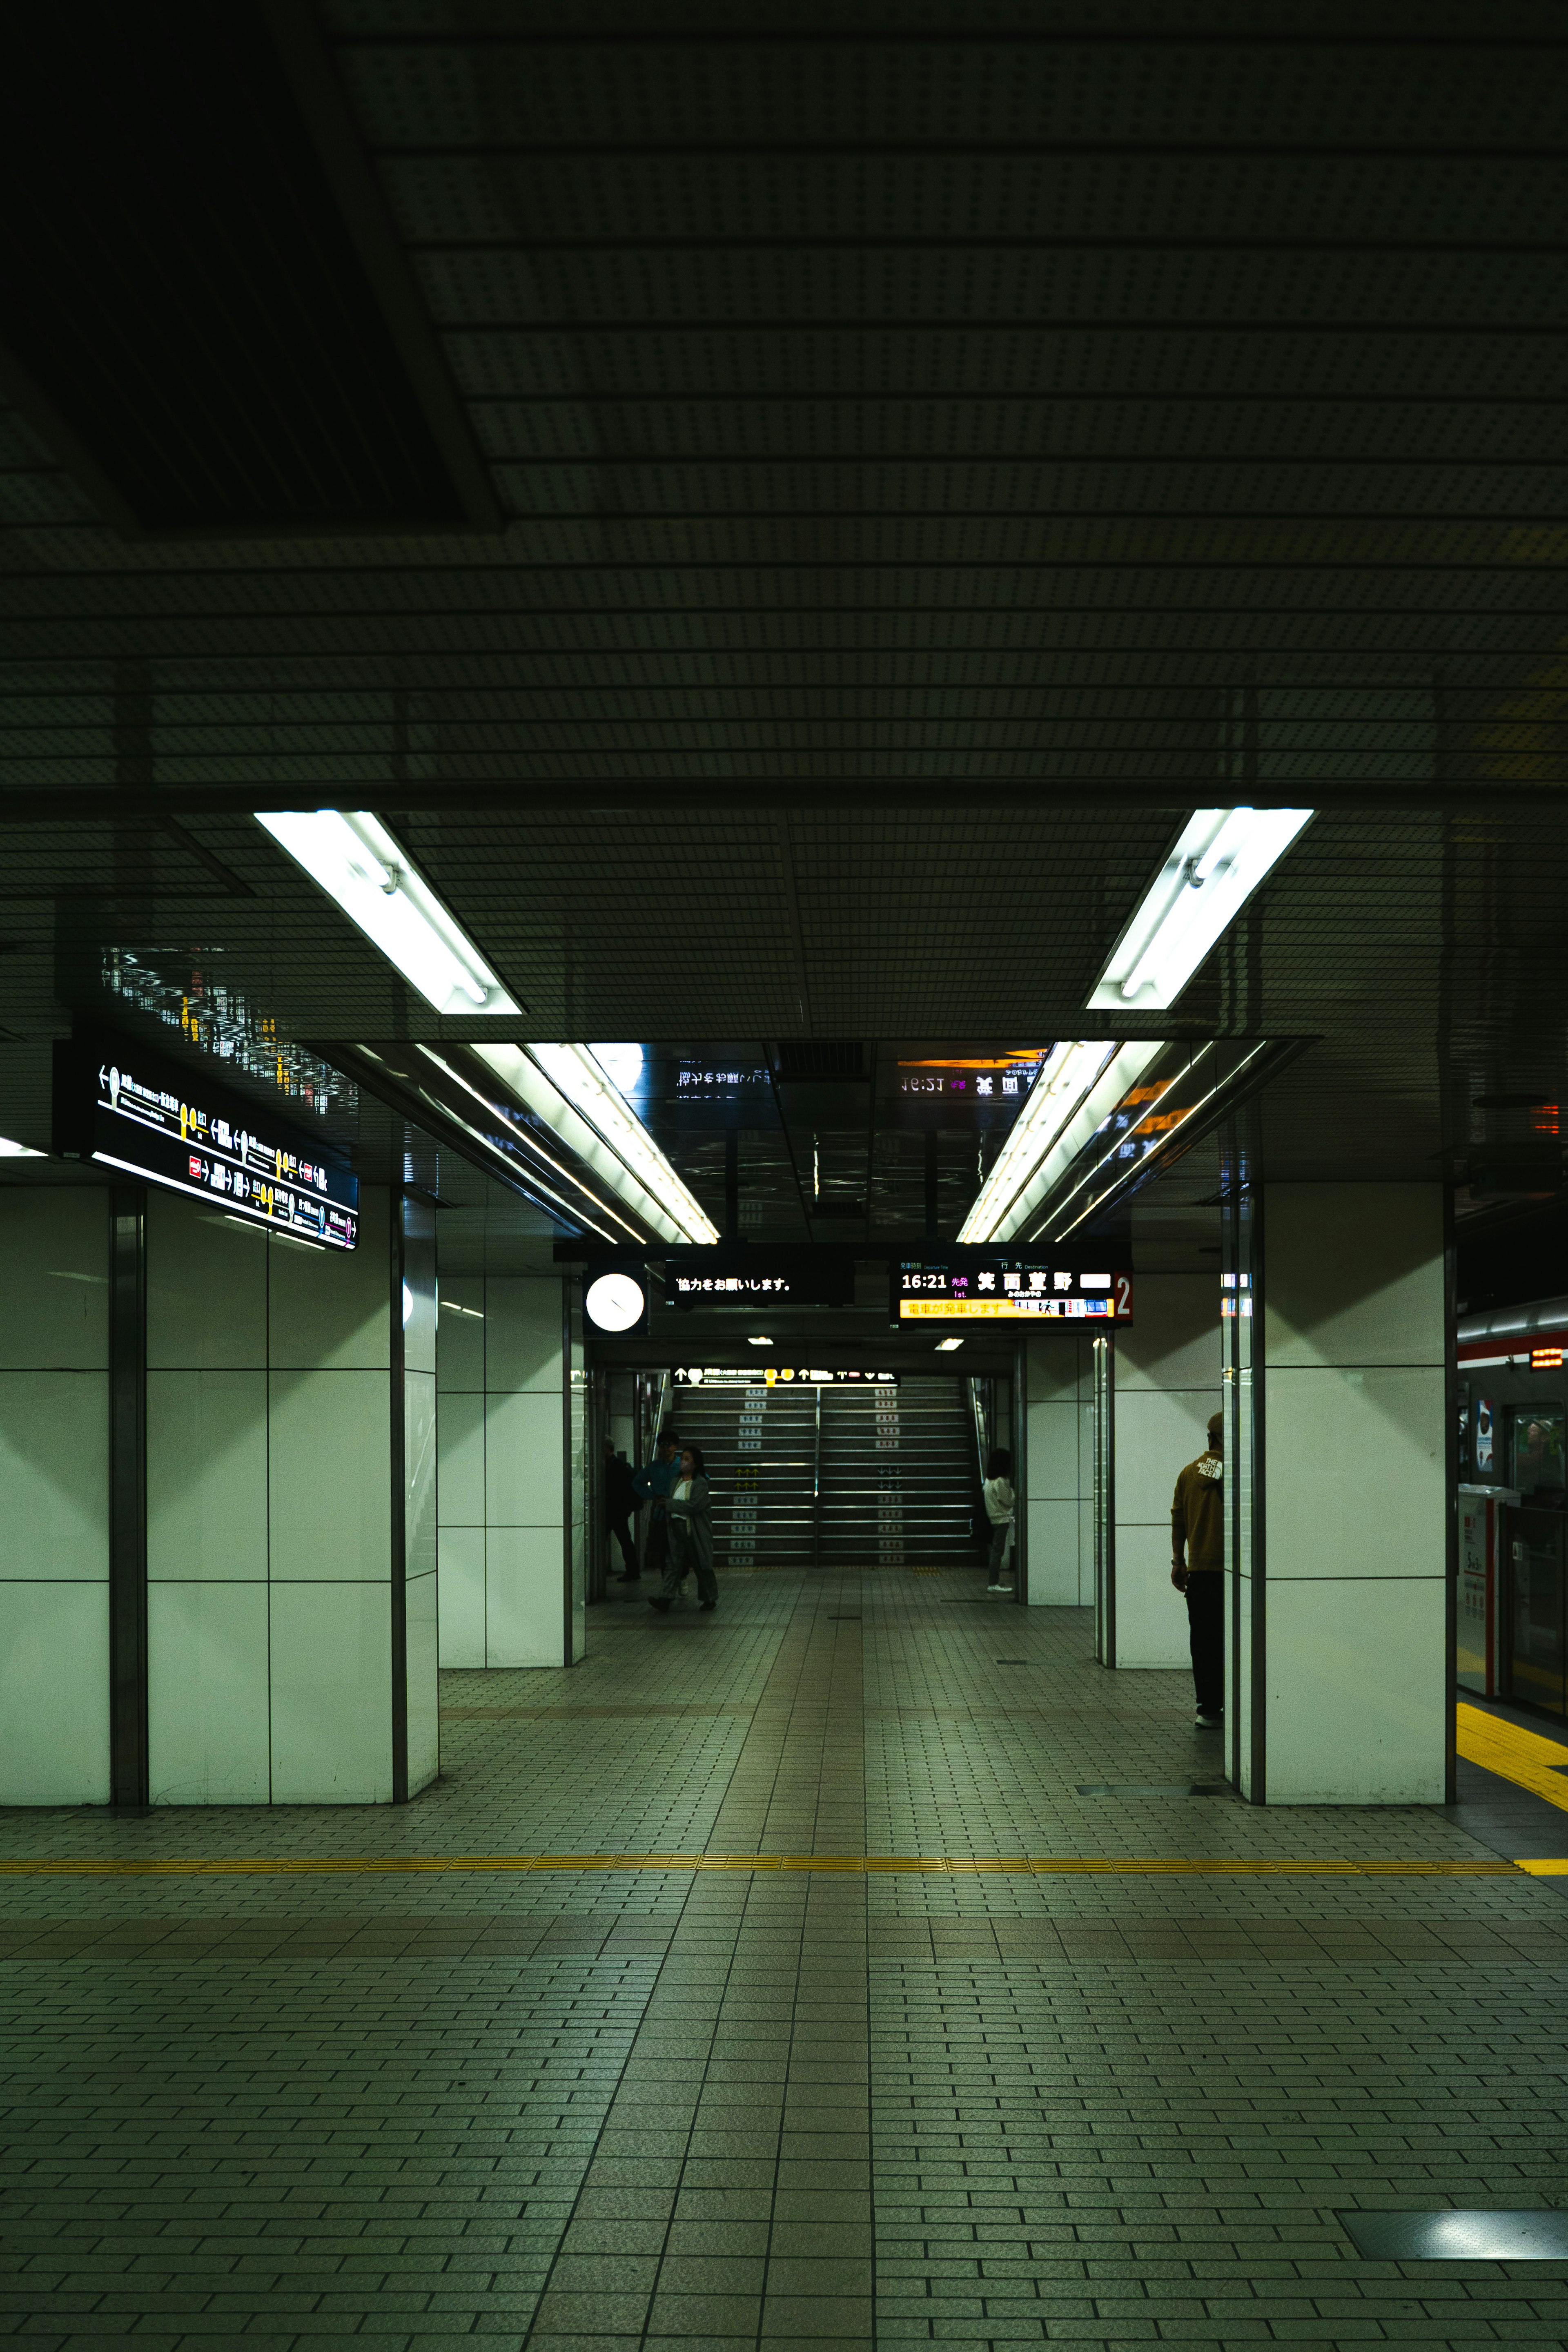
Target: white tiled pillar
x=1058 y=1483
x=501 y=1437
x=275 y=1378
x=54 y=1496
x=1168 y=1384
x=1339 y=1691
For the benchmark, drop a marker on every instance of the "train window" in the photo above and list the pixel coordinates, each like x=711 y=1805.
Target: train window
x=1536 y=1445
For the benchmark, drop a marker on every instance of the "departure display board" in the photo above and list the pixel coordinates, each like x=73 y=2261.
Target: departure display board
x=165 y=1126
x=989 y=1286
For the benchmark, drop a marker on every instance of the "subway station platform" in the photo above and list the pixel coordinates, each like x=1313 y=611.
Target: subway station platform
x=852 y=1964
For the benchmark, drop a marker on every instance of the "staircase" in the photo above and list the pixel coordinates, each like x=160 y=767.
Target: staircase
x=760 y=1447
x=804 y=1477
x=899 y=1485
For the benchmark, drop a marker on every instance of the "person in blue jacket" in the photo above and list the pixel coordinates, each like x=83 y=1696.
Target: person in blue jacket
x=655 y=1483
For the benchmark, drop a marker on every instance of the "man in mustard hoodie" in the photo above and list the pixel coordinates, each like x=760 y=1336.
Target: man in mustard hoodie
x=1197 y=1569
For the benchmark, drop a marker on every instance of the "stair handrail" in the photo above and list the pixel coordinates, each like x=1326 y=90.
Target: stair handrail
x=982 y=1434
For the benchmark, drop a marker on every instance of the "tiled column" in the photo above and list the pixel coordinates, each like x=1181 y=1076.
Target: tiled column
x=1340 y=1534
x=290 y=1549
x=1168 y=1384
x=54 y=1496
x=1060 y=1484
x=501 y=1432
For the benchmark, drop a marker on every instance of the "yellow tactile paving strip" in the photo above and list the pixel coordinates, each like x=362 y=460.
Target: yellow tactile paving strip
x=948 y=1865
x=1526 y=1758
x=1523 y=1757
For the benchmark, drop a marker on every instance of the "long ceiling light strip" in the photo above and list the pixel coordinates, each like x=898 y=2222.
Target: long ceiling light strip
x=1217 y=862
x=1163 y=1148
x=535 y=1150
x=1078 y=1085
x=567 y=1088
x=355 y=860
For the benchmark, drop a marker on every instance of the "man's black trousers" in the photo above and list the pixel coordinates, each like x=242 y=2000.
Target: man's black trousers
x=1205 y=1632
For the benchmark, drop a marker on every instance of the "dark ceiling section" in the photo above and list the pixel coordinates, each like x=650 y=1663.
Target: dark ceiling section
x=939 y=448
x=182 y=289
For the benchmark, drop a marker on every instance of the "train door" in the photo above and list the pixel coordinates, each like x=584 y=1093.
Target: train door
x=1536 y=1640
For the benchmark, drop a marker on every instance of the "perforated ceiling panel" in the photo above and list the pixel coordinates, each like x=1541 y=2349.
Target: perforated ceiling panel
x=939 y=448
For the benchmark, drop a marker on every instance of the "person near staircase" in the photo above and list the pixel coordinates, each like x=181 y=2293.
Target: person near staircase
x=1001 y=1505
x=620 y=1501
x=691 y=1533
x=652 y=1485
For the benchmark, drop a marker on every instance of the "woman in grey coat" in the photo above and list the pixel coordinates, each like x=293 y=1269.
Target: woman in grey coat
x=690 y=1532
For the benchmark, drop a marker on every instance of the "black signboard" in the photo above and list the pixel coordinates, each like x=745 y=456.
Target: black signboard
x=758 y=1277
x=722 y=1376
x=991 y=1286
x=151 y=1119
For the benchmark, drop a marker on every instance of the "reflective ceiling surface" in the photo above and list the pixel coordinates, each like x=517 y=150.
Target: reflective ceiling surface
x=866 y=474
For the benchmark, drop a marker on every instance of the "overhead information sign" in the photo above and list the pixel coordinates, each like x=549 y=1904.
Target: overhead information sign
x=720 y=1376
x=165 y=1126
x=973 y=1078
x=759 y=1277
x=989 y=1286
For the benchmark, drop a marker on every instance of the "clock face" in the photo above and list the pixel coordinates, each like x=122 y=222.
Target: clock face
x=614 y=1302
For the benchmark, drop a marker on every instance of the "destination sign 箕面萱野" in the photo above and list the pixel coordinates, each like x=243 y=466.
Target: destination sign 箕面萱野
x=123 y=1109
x=997 y=1288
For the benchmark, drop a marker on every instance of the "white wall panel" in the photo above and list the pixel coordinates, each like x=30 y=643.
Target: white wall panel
x=329 y=1476
x=419 y=1473
x=1356 y=1504
x=523 y=1476
x=460 y=1452
x=53 y=1694
x=1052 y=1553
x=329 y=1310
x=460 y=1337
x=207 y=1691
x=1356 y=1692
x=206 y=1475
x=54 y=1279
x=522 y=1332
x=1151 y=1614
x=462 y=1609
x=1353 y=1274
x=332 y=1693
x=206 y=1288
x=1357 y=1480
x=523 y=1586
x=424 y=1687
x=54 y=1474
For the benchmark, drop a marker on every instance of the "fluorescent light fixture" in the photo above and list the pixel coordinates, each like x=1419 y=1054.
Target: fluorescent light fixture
x=1219 y=860
x=1078 y=1085
x=356 y=861
x=943 y=1346
x=759 y=1343
x=567 y=1088
x=622 y=1064
x=9 y=1150
x=451 y=1306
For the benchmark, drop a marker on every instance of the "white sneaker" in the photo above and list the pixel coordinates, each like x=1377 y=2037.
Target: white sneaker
x=1209 y=1722
x=999 y=1587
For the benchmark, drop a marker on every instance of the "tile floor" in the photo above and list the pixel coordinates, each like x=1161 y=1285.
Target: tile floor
x=732 y=2109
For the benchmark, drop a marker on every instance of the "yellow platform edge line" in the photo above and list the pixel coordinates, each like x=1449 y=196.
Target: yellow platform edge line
x=956 y=1865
